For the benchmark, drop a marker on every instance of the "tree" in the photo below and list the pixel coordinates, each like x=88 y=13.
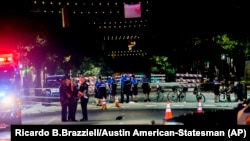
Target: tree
x=33 y=54
x=92 y=66
x=236 y=46
x=160 y=64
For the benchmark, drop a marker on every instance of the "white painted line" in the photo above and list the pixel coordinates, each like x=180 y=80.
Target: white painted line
x=124 y=106
x=50 y=121
x=178 y=105
x=151 y=105
x=211 y=105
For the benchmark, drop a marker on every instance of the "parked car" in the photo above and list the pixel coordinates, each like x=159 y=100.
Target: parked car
x=52 y=84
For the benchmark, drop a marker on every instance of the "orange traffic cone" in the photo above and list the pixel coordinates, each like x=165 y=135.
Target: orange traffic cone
x=199 y=107
x=117 y=104
x=168 y=113
x=104 y=105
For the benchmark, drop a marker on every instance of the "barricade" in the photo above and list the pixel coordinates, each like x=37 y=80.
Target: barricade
x=188 y=80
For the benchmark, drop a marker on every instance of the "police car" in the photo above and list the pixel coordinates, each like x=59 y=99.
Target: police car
x=52 y=84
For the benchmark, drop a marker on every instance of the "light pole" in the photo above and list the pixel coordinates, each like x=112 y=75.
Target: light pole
x=223 y=59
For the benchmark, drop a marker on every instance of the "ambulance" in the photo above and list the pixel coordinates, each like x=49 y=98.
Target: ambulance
x=10 y=90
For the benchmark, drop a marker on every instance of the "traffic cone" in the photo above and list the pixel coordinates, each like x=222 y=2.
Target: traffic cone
x=117 y=104
x=168 y=113
x=199 y=107
x=104 y=105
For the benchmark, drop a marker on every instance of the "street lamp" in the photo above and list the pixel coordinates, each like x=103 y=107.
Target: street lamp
x=228 y=60
x=223 y=59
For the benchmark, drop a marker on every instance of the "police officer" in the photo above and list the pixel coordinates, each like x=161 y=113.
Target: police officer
x=145 y=88
x=84 y=97
x=73 y=100
x=109 y=82
x=134 y=88
x=97 y=97
x=122 y=79
x=102 y=91
x=113 y=88
x=216 y=88
x=65 y=97
x=127 y=88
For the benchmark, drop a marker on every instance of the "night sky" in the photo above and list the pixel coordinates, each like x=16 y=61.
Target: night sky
x=170 y=20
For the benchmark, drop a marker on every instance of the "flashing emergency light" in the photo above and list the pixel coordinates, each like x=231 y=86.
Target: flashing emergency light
x=6 y=58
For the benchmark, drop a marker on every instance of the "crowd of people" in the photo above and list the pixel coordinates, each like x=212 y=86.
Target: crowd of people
x=232 y=85
x=72 y=91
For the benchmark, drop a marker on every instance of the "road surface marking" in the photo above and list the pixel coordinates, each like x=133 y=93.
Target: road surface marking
x=178 y=105
x=123 y=106
x=50 y=121
x=151 y=105
x=211 y=105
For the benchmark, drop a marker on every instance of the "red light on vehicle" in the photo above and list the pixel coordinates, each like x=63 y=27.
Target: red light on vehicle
x=9 y=59
x=6 y=58
x=2 y=59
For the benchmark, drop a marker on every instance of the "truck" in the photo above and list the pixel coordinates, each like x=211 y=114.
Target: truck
x=10 y=90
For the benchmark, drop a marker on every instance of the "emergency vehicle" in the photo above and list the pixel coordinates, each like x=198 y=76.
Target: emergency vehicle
x=52 y=84
x=10 y=90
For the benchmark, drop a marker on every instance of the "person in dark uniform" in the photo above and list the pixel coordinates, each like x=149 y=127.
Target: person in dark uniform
x=73 y=100
x=64 y=100
x=239 y=91
x=113 y=88
x=97 y=97
x=134 y=88
x=145 y=88
x=122 y=86
x=109 y=81
x=102 y=91
x=216 y=88
x=127 y=88
x=84 y=97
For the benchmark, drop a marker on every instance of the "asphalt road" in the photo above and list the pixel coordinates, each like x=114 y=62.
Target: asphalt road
x=140 y=113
